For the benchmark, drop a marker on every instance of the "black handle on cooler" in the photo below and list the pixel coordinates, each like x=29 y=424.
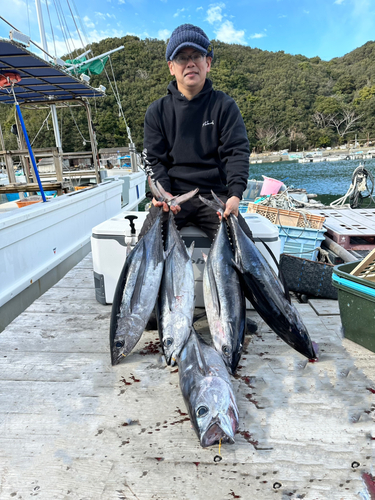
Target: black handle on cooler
x=131 y=221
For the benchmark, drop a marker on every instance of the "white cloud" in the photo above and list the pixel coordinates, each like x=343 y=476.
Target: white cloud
x=99 y=14
x=306 y=12
x=227 y=33
x=339 y=2
x=88 y=22
x=179 y=11
x=164 y=34
x=199 y=8
x=258 y=35
x=121 y=2
x=111 y=15
x=214 y=14
x=283 y=16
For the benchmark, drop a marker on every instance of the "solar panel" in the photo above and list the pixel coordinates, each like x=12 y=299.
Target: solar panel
x=41 y=81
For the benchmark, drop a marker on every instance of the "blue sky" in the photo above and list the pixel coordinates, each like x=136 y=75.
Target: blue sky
x=324 y=28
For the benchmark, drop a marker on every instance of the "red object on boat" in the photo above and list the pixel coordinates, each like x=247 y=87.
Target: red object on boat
x=9 y=77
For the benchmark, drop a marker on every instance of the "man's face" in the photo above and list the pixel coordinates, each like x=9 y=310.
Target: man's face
x=190 y=76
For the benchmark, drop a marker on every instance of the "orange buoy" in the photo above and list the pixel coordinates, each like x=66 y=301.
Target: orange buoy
x=8 y=78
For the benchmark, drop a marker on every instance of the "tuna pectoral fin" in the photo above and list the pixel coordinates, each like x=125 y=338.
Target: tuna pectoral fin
x=139 y=282
x=213 y=288
x=185 y=197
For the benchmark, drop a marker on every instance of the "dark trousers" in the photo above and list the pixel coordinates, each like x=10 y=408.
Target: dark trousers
x=193 y=212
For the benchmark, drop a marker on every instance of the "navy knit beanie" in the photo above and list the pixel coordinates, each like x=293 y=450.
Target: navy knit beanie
x=188 y=35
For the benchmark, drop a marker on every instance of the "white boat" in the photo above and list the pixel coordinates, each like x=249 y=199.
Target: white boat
x=39 y=243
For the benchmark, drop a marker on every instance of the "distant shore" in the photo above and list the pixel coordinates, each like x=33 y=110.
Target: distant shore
x=270 y=157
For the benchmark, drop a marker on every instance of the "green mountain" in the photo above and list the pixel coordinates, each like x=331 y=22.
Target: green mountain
x=286 y=101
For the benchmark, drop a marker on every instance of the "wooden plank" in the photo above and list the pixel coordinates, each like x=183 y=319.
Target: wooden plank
x=24 y=187
x=325 y=307
x=366 y=268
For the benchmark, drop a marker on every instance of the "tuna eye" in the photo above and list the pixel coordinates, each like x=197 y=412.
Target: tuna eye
x=119 y=344
x=226 y=350
x=168 y=342
x=202 y=411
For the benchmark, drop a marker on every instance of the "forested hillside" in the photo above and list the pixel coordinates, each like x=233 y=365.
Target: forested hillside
x=286 y=101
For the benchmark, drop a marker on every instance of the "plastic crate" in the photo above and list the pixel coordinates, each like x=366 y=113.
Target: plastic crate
x=287 y=217
x=300 y=241
x=357 y=305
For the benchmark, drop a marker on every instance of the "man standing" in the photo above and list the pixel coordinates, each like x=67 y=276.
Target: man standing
x=195 y=136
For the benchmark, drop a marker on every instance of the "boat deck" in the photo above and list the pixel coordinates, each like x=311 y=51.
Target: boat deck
x=351 y=229
x=74 y=427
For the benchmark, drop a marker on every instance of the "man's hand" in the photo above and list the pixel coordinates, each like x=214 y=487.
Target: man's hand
x=175 y=209
x=231 y=206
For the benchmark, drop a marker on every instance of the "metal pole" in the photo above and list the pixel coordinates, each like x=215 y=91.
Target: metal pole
x=45 y=47
x=30 y=151
x=133 y=157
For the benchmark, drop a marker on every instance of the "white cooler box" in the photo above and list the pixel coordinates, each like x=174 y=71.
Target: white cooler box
x=110 y=238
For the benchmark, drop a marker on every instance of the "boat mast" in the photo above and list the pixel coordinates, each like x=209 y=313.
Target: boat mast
x=45 y=47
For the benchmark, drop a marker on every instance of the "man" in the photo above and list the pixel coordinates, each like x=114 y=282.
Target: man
x=195 y=137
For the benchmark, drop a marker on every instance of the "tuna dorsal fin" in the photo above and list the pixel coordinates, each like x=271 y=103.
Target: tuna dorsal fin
x=212 y=204
x=140 y=279
x=201 y=362
x=190 y=250
x=238 y=265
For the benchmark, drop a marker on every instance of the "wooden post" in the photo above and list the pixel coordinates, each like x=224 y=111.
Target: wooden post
x=93 y=142
x=10 y=168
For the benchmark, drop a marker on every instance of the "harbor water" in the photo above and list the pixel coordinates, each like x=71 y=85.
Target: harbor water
x=329 y=180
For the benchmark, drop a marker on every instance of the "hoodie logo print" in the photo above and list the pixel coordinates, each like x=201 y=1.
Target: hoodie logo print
x=208 y=123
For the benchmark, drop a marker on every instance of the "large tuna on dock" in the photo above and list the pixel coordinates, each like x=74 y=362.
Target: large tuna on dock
x=137 y=288
x=223 y=296
x=265 y=292
x=175 y=306
x=136 y=292
x=207 y=392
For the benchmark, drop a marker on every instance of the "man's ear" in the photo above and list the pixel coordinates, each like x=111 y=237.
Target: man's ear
x=208 y=62
x=171 y=67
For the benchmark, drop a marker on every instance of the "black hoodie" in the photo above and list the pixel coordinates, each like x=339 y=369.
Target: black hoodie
x=198 y=143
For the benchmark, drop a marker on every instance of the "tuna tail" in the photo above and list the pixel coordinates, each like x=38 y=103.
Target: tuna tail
x=213 y=204
x=175 y=200
x=154 y=190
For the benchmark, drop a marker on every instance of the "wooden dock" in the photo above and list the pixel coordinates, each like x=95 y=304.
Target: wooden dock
x=74 y=427
x=351 y=229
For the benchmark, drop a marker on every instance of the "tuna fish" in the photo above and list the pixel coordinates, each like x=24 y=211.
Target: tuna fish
x=136 y=290
x=207 y=391
x=176 y=298
x=223 y=296
x=266 y=293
